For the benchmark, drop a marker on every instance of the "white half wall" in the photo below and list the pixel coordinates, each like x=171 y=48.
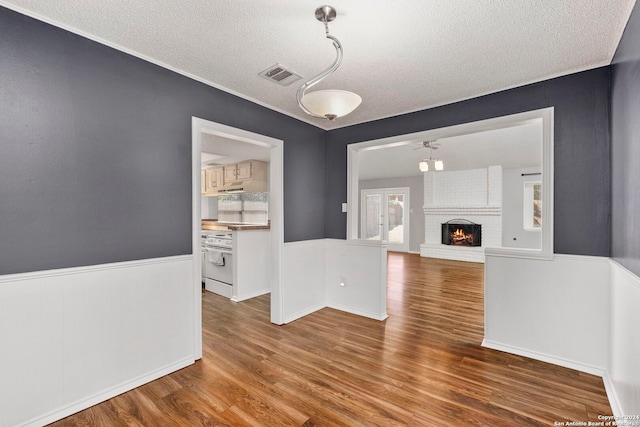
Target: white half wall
x=75 y=337
x=362 y=268
x=556 y=311
x=304 y=274
x=624 y=354
x=251 y=264
x=314 y=269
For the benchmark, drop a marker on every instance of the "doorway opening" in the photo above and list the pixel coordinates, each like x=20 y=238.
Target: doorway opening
x=202 y=127
x=484 y=200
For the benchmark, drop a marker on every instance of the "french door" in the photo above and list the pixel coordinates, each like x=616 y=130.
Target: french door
x=384 y=215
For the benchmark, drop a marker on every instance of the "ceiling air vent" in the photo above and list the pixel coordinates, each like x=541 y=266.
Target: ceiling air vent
x=278 y=74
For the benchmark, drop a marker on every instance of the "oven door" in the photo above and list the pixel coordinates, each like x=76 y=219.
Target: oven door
x=219 y=264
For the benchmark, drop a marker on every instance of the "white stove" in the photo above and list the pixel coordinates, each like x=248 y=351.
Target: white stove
x=218 y=262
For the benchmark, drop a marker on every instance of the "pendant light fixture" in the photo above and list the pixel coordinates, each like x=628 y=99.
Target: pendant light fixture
x=332 y=103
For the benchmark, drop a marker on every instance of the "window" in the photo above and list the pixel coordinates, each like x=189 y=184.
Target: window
x=243 y=207
x=533 y=205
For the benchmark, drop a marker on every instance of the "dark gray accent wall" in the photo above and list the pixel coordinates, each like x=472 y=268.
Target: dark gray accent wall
x=625 y=147
x=95 y=152
x=582 y=154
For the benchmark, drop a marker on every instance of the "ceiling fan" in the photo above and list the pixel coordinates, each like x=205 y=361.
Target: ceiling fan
x=431 y=144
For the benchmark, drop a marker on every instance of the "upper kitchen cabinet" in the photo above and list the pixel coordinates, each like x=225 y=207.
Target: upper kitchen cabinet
x=252 y=169
x=213 y=180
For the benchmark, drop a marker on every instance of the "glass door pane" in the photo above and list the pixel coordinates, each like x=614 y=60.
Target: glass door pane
x=372 y=216
x=395 y=217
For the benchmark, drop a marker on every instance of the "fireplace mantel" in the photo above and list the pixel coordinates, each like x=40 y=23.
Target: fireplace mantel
x=463 y=210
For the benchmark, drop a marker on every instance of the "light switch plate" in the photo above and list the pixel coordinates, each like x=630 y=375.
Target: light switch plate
x=344 y=207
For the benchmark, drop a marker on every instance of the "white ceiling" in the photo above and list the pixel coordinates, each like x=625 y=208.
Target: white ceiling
x=217 y=150
x=400 y=56
x=513 y=147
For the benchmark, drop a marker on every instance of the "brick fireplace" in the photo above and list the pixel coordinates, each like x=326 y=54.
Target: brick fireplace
x=465 y=197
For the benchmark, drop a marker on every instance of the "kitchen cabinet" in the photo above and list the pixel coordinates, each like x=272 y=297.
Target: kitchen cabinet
x=245 y=170
x=252 y=169
x=213 y=179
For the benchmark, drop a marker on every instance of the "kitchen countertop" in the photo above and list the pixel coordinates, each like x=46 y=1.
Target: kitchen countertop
x=210 y=225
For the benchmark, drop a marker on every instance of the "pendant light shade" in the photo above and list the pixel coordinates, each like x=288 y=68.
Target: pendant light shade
x=331 y=103
x=437 y=164
x=327 y=104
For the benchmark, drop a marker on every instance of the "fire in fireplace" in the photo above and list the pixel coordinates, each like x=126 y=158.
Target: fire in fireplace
x=460 y=232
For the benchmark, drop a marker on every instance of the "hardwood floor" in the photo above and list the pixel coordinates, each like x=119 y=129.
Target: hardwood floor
x=423 y=366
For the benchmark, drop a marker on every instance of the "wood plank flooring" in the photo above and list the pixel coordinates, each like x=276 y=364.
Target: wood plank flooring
x=423 y=366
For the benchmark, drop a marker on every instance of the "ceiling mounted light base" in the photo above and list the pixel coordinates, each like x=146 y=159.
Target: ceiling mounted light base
x=326 y=13
x=327 y=104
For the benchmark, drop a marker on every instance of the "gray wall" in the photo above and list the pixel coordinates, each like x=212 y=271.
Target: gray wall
x=416 y=202
x=582 y=169
x=625 y=147
x=95 y=152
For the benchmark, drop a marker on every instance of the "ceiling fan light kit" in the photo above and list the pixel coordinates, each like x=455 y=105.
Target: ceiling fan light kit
x=332 y=103
x=424 y=163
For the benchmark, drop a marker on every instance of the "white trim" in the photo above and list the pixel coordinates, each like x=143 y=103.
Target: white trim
x=370 y=315
x=571 y=364
x=303 y=313
x=461 y=210
x=631 y=276
x=107 y=394
x=276 y=207
x=196 y=218
x=612 y=396
x=250 y=295
x=91 y=268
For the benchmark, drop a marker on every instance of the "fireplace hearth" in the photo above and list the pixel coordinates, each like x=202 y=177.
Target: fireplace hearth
x=461 y=232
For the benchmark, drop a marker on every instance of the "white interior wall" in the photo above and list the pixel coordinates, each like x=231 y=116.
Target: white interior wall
x=209 y=207
x=74 y=337
x=513 y=233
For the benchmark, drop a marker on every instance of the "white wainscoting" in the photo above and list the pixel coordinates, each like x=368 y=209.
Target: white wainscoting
x=74 y=337
x=304 y=272
x=362 y=268
x=623 y=379
x=575 y=311
x=314 y=269
x=553 y=310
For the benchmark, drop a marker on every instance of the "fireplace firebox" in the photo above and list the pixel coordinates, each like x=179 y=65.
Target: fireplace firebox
x=461 y=232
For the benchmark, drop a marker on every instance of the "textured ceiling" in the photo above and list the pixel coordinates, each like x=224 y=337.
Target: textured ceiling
x=511 y=147
x=400 y=56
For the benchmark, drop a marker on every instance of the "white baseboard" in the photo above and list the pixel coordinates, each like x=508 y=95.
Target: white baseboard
x=250 y=295
x=614 y=402
x=303 y=313
x=106 y=394
x=594 y=370
x=375 y=316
